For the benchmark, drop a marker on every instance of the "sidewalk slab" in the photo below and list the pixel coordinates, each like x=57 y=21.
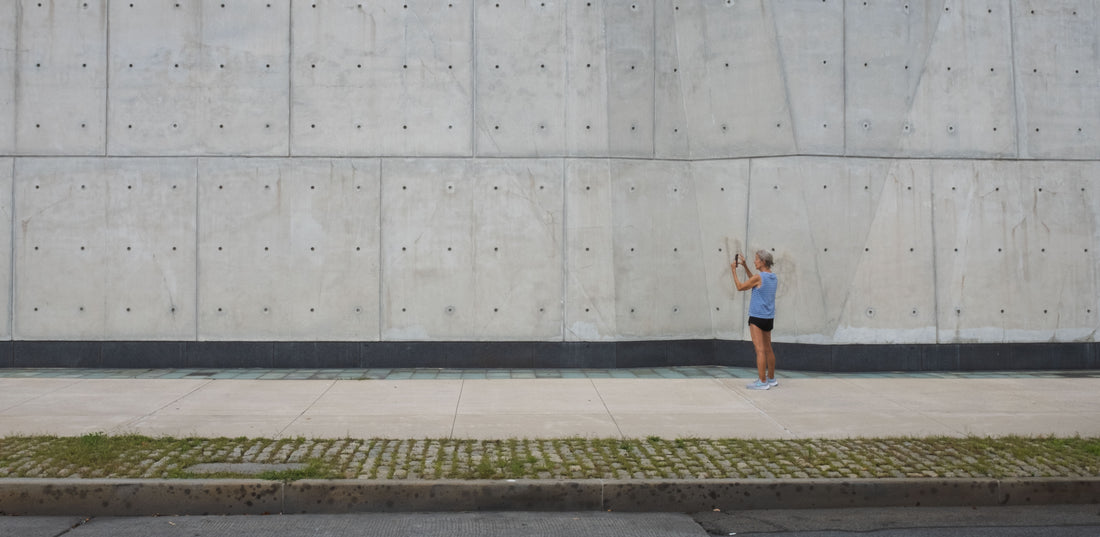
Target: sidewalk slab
x=16 y=391
x=530 y=396
x=387 y=397
x=739 y=424
x=824 y=406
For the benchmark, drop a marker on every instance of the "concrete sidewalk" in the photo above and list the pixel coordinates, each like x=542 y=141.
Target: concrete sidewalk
x=486 y=408
x=823 y=407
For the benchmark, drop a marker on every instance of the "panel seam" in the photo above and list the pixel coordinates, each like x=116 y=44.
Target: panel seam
x=17 y=79
x=653 y=86
x=935 y=261
x=473 y=80
x=198 y=252
x=783 y=68
x=606 y=83
x=1015 y=81
x=844 y=76
x=564 y=249
x=748 y=224
x=107 y=80
x=564 y=296
x=913 y=90
x=381 y=262
x=290 y=81
x=11 y=259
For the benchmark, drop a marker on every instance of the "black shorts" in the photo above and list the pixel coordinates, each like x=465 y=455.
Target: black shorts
x=763 y=324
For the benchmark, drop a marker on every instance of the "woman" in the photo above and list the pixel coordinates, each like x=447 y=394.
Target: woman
x=761 y=314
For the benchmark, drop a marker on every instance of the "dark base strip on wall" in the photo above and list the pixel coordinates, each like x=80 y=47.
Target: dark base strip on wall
x=526 y=354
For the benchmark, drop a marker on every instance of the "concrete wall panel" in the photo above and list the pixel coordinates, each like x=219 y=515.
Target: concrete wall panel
x=521 y=73
x=156 y=106
x=886 y=47
x=445 y=217
x=735 y=103
x=440 y=89
x=671 y=135
x=653 y=270
x=1057 y=62
x=518 y=226
x=374 y=78
x=288 y=249
x=61 y=87
x=61 y=210
x=930 y=79
x=104 y=249
x=722 y=195
x=590 y=311
x=890 y=294
x=586 y=91
x=660 y=280
x=964 y=103
x=8 y=24
x=1016 y=251
x=199 y=78
x=811 y=54
x=428 y=250
x=630 y=29
x=815 y=215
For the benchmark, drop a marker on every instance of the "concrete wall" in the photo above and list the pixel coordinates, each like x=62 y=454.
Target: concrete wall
x=560 y=170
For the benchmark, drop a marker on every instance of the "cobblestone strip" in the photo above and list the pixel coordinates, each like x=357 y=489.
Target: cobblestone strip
x=566 y=458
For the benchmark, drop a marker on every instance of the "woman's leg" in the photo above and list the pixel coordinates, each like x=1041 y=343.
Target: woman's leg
x=758 y=339
x=769 y=354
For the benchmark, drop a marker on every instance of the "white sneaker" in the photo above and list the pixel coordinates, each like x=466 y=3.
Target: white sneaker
x=772 y=382
x=757 y=385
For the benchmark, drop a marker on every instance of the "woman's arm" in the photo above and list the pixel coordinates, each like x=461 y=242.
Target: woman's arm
x=748 y=270
x=753 y=281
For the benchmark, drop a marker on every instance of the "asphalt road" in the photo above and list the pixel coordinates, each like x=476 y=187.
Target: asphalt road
x=1056 y=521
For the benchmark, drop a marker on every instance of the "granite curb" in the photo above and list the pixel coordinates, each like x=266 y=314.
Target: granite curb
x=147 y=497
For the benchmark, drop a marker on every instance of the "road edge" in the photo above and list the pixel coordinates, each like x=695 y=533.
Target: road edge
x=146 y=497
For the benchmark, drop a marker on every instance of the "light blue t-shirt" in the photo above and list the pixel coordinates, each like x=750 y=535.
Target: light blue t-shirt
x=762 y=304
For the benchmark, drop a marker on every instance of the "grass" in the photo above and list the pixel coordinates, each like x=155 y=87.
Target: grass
x=131 y=456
